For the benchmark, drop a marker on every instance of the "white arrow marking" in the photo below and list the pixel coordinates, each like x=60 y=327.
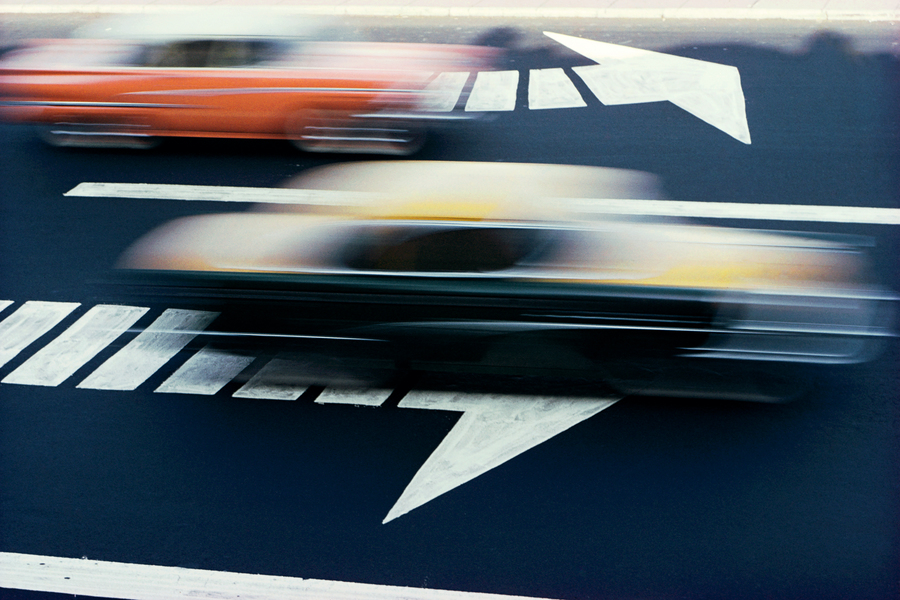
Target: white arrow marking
x=709 y=91
x=493 y=91
x=29 y=322
x=149 y=351
x=550 y=88
x=492 y=430
x=444 y=91
x=205 y=373
x=78 y=344
x=128 y=581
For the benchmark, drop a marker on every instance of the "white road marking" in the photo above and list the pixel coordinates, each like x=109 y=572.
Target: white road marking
x=492 y=429
x=78 y=344
x=205 y=373
x=273 y=382
x=444 y=91
x=709 y=91
x=149 y=351
x=29 y=322
x=4 y=304
x=734 y=210
x=494 y=91
x=550 y=88
x=128 y=581
x=356 y=397
x=716 y=210
x=216 y=193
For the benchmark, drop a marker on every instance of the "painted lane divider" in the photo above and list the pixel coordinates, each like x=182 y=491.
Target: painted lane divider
x=58 y=360
x=149 y=351
x=129 y=581
x=28 y=323
x=205 y=373
x=492 y=429
x=586 y=206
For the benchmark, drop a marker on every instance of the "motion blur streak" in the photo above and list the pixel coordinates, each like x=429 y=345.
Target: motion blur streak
x=127 y=81
x=481 y=265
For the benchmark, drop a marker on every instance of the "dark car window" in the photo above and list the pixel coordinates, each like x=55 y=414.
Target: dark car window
x=210 y=53
x=441 y=249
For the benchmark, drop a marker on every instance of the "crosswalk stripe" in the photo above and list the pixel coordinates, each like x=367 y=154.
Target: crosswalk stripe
x=29 y=322
x=551 y=88
x=355 y=397
x=78 y=344
x=4 y=304
x=493 y=91
x=444 y=91
x=149 y=351
x=205 y=373
x=273 y=382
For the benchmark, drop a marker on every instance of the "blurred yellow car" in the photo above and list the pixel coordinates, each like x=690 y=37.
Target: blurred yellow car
x=450 y=263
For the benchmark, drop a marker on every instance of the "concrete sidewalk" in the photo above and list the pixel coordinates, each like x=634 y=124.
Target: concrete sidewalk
x=818 y=10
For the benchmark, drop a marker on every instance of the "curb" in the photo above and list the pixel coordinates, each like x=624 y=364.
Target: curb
x=476 y=11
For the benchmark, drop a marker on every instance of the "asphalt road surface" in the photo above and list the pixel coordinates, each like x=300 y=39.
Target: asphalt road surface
x=650 y=498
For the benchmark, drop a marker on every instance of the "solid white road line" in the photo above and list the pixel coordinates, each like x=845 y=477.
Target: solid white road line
x=273 y=382
x=492 y=429
x=78 y=344
x=551 y=88
x=733 y=210
x=493 y=91
x=444 y=91
x=215 y=193
x=29 y=322
x=205 y=373
x=355 y=397
x=717 y=210
x=127 y=581
x=149 y=351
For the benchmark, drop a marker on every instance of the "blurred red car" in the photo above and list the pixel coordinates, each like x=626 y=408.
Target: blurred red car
x=128 y=82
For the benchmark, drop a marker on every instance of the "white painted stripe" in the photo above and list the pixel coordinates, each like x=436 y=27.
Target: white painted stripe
x=4 y=304
x=493 y=429
x=78 y=344
x=275 y=381
x=729 y=210
x=551 y=88
x=216 y=193
x=494 y=91
x=149 y=351
x=733 y=210
x=205 y=373
x=356 y=397
x=444 y=91
x=29 y=322
x=150 y=582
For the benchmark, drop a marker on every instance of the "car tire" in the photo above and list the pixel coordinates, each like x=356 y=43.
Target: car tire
x=80 y=135
x=319 y=130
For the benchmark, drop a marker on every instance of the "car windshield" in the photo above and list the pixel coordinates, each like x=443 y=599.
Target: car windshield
x=430 y=248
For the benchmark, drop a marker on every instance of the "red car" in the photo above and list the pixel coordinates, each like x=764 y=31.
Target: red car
x=128 y=82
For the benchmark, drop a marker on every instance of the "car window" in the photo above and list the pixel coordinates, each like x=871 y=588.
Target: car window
x=210 y=53
x=430 y=249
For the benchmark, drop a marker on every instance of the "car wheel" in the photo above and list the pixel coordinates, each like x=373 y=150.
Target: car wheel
x=318 y=130
x=87 y=135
